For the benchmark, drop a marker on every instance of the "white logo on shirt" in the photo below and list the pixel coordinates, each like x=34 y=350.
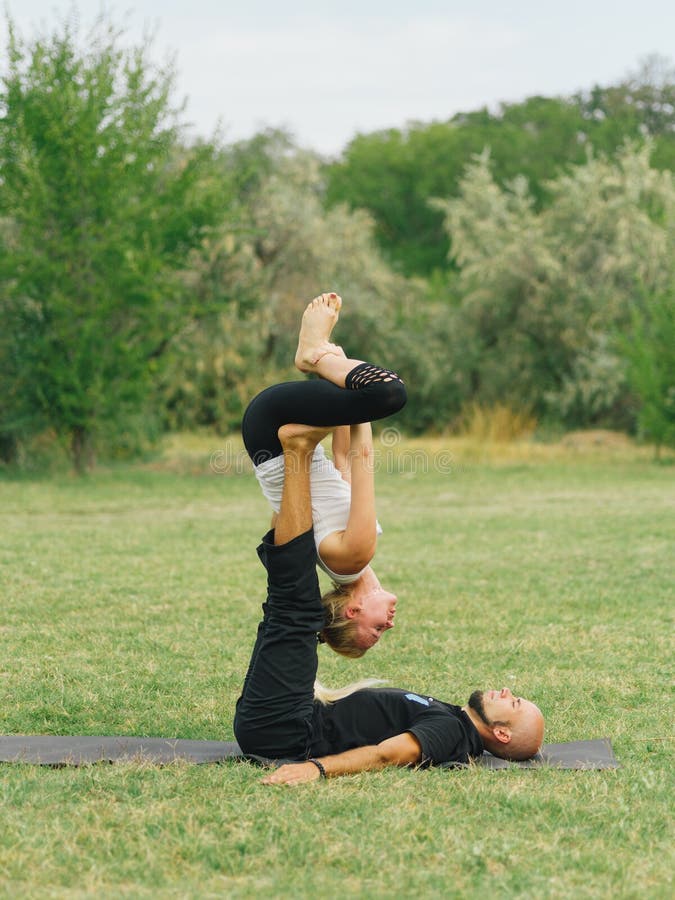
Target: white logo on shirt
x=417 y=699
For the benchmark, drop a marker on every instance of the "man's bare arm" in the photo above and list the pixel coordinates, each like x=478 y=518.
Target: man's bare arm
x=400 y=750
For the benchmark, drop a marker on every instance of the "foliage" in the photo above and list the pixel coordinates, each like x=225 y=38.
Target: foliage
x=393 y=173
x=642 y=104
x=148 y=285
x=543 y=292
x=649 y=347
x=284 y=250
x=101 y=206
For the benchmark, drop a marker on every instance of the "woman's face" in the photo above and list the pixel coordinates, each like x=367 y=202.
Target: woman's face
x=372 y=609
x=374 y=618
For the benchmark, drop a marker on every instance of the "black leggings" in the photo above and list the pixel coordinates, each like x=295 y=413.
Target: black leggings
x=370 y=393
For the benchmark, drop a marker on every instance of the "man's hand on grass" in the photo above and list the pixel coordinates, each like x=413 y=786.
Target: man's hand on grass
x=293 y=773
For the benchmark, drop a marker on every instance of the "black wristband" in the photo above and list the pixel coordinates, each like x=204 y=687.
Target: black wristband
x=322 y=771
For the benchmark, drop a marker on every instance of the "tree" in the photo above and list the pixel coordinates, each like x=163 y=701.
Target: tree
x=650 y=351
x=544 y=292
x=641 y=105
x=392 y=174
x=286 y=248
x=102 y=206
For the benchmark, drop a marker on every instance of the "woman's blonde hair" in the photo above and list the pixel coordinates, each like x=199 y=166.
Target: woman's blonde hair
x=339 y=632
x=330 y=695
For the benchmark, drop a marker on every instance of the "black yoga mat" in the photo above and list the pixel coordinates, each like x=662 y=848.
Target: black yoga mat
x=597 y=754
x=80 y=750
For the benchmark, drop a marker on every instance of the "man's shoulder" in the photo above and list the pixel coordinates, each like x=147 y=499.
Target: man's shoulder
x=447 y=734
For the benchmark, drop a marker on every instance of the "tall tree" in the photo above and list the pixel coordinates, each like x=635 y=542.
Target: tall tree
x=101 y=206
x=285 y=249
x=650 y=351
x=394 y=173
x=544 y=292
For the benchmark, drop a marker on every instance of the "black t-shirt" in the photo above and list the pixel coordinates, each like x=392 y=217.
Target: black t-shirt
x=445 y=732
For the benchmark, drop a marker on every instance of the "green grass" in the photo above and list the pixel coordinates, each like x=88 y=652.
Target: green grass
x=129 y=602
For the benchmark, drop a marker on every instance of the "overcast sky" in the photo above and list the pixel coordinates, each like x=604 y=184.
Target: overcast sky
x=328 y=70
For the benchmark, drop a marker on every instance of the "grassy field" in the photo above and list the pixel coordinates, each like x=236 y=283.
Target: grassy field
x=129 y=602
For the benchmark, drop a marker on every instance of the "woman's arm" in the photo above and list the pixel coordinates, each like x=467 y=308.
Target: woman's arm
x=352 y=549
x=401 y=750
x=341 y=456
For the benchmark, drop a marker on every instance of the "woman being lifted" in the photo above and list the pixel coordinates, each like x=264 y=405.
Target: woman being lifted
x=346 y=397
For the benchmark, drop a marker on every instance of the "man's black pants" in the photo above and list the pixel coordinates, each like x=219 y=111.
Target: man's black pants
x=274 y=714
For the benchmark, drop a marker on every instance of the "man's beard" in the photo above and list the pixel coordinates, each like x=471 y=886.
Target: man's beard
x=476 y=704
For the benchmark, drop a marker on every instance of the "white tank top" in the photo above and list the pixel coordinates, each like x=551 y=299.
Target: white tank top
x=331 y=498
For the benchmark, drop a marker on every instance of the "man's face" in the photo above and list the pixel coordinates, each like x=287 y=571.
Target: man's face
x=500 y=707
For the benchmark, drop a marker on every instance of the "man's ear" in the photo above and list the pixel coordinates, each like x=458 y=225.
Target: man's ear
x=502 y=733
x=352 y=611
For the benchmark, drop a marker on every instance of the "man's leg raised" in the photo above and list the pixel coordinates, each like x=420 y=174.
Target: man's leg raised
x=295 y=514
x=274 y=712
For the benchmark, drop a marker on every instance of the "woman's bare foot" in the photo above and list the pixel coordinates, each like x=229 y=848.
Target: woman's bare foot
x=318 y=321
